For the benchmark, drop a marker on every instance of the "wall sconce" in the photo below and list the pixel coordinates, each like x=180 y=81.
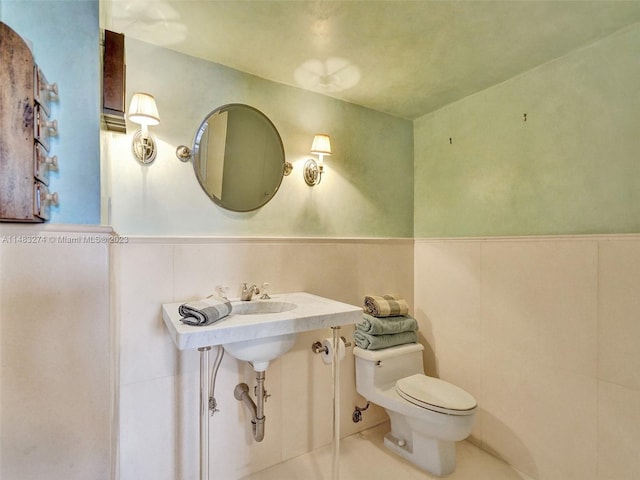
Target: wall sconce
x=143 y=110
x=312 y=172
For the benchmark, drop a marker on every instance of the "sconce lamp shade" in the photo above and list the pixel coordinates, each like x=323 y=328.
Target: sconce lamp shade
x=313 y=169
x=321 y=144
x=143 y=109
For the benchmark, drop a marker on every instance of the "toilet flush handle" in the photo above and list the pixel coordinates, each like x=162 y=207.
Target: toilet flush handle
x=379 y=363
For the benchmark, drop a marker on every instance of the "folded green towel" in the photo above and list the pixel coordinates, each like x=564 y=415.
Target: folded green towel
x=386 y=305
x=377 y=342
x=381 y=326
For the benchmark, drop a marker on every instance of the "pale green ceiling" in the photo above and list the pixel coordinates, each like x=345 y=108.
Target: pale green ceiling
x=405 y=58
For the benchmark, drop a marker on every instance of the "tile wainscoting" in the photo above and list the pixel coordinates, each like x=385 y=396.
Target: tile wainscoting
x=543 y=331
x=158 y=385
x=55 y=393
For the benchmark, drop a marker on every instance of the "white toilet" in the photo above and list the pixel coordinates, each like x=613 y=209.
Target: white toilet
x=428 y=415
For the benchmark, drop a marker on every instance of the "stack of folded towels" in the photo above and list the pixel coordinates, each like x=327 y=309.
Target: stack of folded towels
x=386 y=323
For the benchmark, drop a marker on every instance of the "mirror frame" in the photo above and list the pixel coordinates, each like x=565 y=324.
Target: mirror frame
x=195 y=155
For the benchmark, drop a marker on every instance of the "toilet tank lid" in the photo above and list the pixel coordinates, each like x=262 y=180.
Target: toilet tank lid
x=382 y=354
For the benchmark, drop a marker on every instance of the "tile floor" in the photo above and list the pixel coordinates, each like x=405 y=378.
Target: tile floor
x=363 y=456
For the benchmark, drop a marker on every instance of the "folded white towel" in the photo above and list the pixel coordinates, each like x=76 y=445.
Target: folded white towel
x=205 y=311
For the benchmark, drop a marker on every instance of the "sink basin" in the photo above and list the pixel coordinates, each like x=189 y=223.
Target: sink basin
x=260 y=351
x=261 y=330
x=257 y=308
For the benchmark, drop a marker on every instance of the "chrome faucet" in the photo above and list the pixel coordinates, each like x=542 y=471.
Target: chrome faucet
x=247 y=292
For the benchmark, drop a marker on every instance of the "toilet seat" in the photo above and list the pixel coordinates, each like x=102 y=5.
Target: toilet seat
x=436 y=395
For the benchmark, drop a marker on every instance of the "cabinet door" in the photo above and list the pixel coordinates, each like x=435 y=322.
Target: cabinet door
x=16 y=128
x=25 y=129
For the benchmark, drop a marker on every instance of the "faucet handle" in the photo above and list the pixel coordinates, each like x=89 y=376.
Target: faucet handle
x=222 y=291
x=265 y=295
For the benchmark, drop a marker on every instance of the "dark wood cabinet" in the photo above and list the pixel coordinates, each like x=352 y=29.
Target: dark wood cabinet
x=113 y=82
x=25 y=129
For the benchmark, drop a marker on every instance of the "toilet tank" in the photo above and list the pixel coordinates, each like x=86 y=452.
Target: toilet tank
x=380 y=369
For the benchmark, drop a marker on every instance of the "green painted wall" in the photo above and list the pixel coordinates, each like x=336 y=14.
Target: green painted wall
x=367 y=190
x=572 y=168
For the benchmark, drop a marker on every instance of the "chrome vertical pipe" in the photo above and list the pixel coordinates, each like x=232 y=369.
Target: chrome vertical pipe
x=258 y=433
x=204 y=412
x=335 y=373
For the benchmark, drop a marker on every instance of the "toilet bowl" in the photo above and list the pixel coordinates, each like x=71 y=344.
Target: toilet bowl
x=428 y=415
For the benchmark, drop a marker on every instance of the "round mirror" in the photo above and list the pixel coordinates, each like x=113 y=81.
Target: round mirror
x=238 y=157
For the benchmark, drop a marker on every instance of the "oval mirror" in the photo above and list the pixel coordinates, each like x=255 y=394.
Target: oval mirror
x=238 y=157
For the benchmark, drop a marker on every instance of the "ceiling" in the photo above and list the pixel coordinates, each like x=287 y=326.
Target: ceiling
x=405 y=58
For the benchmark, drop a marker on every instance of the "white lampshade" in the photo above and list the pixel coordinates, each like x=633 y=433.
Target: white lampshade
x=143 y=109
x=321 y=144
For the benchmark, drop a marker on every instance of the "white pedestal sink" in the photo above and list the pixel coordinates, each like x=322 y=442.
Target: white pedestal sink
x=285 y=313
x=259 y=331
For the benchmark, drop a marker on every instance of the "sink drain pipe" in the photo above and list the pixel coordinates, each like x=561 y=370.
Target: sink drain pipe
x=256 y=409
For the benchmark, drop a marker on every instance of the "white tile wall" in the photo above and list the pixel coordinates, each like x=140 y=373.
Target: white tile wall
x=619 y=312
x=54 y=344
x=159 y=385
x=618 y=431
x=447 y=305
x=543 y=331
x=619 y=359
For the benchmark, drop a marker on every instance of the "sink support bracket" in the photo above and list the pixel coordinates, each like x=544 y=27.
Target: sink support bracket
x=204 y=412
x=335 y=374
